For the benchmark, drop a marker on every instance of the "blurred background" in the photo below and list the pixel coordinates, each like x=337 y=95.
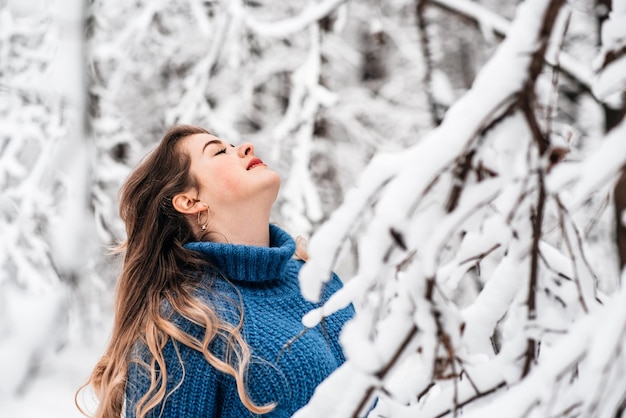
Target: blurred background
x=89 y=87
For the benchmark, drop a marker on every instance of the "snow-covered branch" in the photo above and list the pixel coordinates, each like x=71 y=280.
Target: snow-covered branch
x=406 y=199
x=605 y=329
x=495 y=88
x=458 y=245
x=303 y=206
x=492 y=21
x=287 y=27
x=609 y=83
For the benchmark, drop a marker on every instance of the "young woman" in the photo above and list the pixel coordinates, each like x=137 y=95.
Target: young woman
x=208 y=309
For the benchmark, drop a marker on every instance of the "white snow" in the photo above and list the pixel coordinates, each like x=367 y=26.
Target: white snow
x=442 y=296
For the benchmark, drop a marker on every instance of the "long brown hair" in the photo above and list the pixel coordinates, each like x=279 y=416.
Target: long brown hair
x=153 y=273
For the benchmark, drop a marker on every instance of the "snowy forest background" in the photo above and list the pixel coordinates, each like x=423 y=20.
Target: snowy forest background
x=457 y=162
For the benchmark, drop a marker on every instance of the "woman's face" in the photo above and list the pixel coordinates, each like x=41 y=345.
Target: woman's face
x=228 y=174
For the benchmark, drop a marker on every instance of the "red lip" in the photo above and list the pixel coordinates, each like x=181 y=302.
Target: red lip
x=253 y=162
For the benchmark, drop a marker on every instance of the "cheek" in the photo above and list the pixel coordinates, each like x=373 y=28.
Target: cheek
x=231 y=185
x=225 y=183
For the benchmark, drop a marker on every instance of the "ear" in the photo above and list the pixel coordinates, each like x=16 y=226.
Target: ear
x=186 y=203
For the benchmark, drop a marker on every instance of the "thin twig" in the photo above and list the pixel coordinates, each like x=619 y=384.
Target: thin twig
x=553 y=270
x=555 y=77
x=383 y=372
x=596 y=217
x=579 y=243
x=469 y=378
x=420 y=6
x=463 y=169
x=526 y=100
x=473 y=398
x=479 y=257
x=534 y=272
x=570 y=250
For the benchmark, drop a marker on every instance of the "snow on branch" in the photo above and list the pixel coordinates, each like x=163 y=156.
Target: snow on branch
x=409 y=233
x=601 y=166
x=609 y=83
x=303 y=206
x=193 y=101
x=605 y=329
x=34 y=123
x=489 y=20
x=443 y=235
x=287 y=27
x=494 y=90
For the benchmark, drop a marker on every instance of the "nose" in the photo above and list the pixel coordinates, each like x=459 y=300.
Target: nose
x=245 y=149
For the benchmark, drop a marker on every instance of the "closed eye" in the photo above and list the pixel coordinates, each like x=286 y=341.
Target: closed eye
x=222 y=151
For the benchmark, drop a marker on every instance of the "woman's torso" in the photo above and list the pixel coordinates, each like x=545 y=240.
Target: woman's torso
x=287 y=364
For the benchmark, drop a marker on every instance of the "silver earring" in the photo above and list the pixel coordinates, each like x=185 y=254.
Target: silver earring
x=204 y=225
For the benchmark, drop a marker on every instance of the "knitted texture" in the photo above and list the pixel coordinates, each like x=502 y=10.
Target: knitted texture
x=266 y=280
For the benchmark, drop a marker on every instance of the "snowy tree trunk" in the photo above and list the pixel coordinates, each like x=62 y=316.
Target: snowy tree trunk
x=70 y=244
x=43 y=206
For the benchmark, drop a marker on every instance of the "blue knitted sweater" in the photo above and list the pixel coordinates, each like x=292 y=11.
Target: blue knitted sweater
x=266 y=279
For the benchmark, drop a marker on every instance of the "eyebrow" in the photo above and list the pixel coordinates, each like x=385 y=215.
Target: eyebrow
x=212 y=142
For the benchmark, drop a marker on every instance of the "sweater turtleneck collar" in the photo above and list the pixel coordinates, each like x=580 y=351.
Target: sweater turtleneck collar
x=249 y=263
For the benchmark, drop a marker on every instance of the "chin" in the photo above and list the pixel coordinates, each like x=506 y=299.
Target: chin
x=273 y=178
x=276 y=186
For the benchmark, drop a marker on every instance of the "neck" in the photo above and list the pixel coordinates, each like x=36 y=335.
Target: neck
x=240 y=226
